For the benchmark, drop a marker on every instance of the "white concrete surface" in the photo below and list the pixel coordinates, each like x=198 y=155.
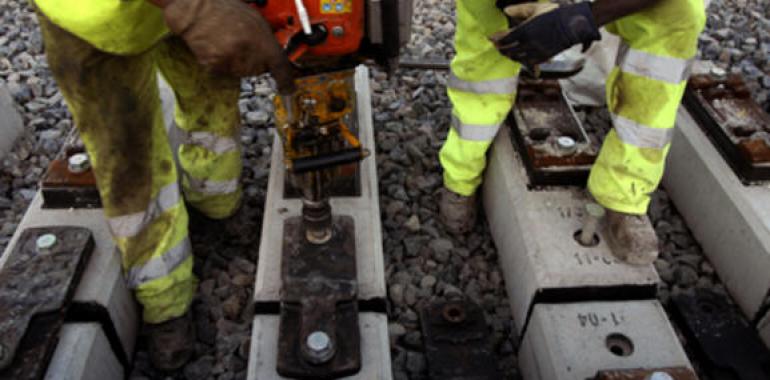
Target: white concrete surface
x=83 y=353
x=731 y=221
x=570 y=341
x=365 y=211
x=375 y=349
x=11 y=123
x=102 y=280
x=764 y=329
x=533 y=231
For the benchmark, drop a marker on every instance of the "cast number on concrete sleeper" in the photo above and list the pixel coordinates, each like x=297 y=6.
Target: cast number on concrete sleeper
x=569 y=212
x=592 y=319
x=586 y=258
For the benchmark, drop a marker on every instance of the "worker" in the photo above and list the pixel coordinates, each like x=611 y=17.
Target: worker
x=643 y=90
x=104 y=55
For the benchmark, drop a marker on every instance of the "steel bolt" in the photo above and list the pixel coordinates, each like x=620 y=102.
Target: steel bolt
x=658 y=375
x=566 y=144
x=718 y=72
x=318 y=341
x=594 y=212
x=78 y=163
x=319 y=347
x=338 y=31
x=45 y=242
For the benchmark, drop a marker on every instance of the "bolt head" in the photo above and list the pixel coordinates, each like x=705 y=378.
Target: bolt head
x=338 y=31
x=718 y=72
x=78 y=163
x=595 y=210
x=45 y=241
x=318 y=341
x=566 y=142
x=659 y=375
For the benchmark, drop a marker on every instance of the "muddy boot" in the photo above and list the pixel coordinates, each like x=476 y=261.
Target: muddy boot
x=631 y=238
x=171 y=343
x=457 y=212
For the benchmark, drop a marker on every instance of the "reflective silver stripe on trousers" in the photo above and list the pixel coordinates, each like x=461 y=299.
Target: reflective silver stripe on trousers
x=125 y=226
x=641 y=136
x=160 y=266
x=665 y=69
x=503 y=86
x=208 y=140
x=474 y=132
x=210 y=187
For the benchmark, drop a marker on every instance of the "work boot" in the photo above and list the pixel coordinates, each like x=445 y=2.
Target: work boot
x=457 y=212
x=171 y=343
x=631 y=238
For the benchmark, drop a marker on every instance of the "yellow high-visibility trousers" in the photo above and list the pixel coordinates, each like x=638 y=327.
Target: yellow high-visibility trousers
x=116 y=107
x=482 y=88
x=644 y=91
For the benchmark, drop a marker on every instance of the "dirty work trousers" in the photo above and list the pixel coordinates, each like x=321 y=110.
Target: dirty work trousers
x=643 y=93
x=116 y=107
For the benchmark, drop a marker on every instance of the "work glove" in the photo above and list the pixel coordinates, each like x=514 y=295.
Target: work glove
x=543 y=30
x=229 y=37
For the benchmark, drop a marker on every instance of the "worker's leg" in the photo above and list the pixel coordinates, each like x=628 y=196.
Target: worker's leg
x=115 y=104
x=643 y=94
x=207 y=114
x=482 y=87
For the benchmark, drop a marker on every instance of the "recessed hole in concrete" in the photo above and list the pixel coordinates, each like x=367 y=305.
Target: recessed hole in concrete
x=594 y=241
x=539 y=134
x=619 y=344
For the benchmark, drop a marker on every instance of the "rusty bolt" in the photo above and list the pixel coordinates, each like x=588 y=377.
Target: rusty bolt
x=658 y=375
x=45 y=242
x=319 y=347
x=78 y=163
x=453 y=313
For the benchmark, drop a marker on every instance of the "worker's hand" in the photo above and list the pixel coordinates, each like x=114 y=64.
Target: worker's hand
x=543 y=30
x=229 y=37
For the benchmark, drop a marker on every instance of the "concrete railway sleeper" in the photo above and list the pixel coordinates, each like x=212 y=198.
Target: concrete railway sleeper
x=580 y=313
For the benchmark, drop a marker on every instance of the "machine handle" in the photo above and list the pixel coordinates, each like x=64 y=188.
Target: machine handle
x=345 y=156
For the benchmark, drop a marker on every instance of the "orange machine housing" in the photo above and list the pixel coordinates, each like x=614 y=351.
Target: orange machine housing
x=338 y=26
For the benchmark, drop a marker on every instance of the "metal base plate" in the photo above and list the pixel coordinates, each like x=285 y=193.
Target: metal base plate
x=456 y=342
x=319 y=293
x=728 y=345
x=540 y=118
x=64 y=189
x=734 y=123
x=36 y=287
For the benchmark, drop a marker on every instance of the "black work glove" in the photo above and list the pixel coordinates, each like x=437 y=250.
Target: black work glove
x=545 y=30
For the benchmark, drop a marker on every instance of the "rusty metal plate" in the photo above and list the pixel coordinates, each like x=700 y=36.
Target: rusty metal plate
x=457 y=345
x=728 y=346
x=62 y=188
x=677 y=373
x=36 y=286
x=319 y=294
x=554 y=146
x=737 y=125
